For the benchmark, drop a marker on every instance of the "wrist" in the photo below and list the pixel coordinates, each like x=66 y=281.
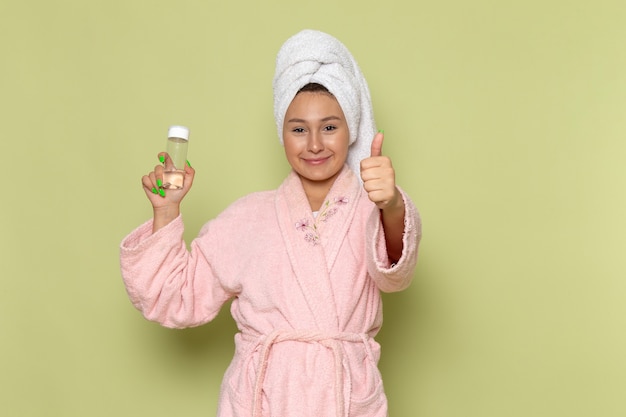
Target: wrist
x=162 y=216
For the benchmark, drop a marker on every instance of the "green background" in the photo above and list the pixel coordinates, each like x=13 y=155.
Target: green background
x=506 y=124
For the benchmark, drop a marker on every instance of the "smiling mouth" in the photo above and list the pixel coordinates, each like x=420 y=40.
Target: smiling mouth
x=316 y=161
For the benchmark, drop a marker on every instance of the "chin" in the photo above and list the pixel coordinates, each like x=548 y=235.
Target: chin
x=323 y=177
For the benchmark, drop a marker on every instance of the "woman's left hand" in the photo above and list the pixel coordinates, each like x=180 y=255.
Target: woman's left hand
x=379 y=178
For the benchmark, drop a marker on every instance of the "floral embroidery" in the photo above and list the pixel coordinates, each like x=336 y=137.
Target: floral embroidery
x=329 y=209
x=302 y=225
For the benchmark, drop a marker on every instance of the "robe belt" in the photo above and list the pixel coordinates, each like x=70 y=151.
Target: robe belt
x=330 y=340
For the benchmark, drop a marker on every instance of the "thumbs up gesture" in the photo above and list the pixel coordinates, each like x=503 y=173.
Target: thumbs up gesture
x=378 y=175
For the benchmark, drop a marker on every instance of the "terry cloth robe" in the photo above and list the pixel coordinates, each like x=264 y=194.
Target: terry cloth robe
x=306 y=295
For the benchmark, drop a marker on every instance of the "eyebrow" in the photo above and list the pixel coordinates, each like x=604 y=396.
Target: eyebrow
x=325 y=119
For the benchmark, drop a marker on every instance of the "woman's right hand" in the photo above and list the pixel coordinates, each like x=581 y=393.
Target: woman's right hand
x=165 y=202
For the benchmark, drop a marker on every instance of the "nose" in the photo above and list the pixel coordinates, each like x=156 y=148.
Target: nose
x=315 y=143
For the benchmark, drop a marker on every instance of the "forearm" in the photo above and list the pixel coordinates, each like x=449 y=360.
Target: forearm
x=392 y=274
x=392 y=218
x=167 y=283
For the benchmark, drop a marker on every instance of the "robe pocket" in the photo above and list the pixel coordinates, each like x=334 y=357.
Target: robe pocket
x=374 y=404
x=368 y=395
x=240 y=389
x=231 y=406
x=240 y=380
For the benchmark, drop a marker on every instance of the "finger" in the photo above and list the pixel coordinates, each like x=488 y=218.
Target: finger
x=148 y=184
x=156 y=178
x=377 y=144
x=379 y=193
x=190 y=173
x=165 y=159
x=376 y=167
x=188 y=169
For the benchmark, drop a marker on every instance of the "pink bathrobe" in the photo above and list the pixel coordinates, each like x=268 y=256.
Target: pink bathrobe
x=306 y=295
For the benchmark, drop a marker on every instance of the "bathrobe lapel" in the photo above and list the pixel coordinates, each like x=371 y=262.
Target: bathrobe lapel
x=312 y=243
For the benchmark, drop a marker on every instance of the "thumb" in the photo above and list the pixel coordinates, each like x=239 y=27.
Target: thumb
x=190 y=173
x=377 y=144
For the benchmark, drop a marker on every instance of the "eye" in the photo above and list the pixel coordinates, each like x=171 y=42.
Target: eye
x=298 y=130
x=330 y=128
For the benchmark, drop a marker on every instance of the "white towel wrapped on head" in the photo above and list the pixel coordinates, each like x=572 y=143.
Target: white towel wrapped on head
x=311 y=56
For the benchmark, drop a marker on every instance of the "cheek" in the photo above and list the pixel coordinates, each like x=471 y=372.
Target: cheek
x=291 y=148
x=342 y=145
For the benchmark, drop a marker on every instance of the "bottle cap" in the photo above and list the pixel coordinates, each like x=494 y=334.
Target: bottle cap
x=178 y=132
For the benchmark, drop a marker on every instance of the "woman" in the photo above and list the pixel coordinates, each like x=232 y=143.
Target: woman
x=304 y=264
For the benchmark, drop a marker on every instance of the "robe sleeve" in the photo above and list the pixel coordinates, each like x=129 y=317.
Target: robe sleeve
x=393 y=277
x=167 y=283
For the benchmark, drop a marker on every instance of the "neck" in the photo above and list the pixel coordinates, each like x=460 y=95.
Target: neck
x=316 y=191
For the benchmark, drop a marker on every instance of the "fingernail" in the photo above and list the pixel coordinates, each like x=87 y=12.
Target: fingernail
x=161 y=192
x=159 y=183
x=154 y=190
x=161 y=158
x=188 y=164
x=381 y=131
